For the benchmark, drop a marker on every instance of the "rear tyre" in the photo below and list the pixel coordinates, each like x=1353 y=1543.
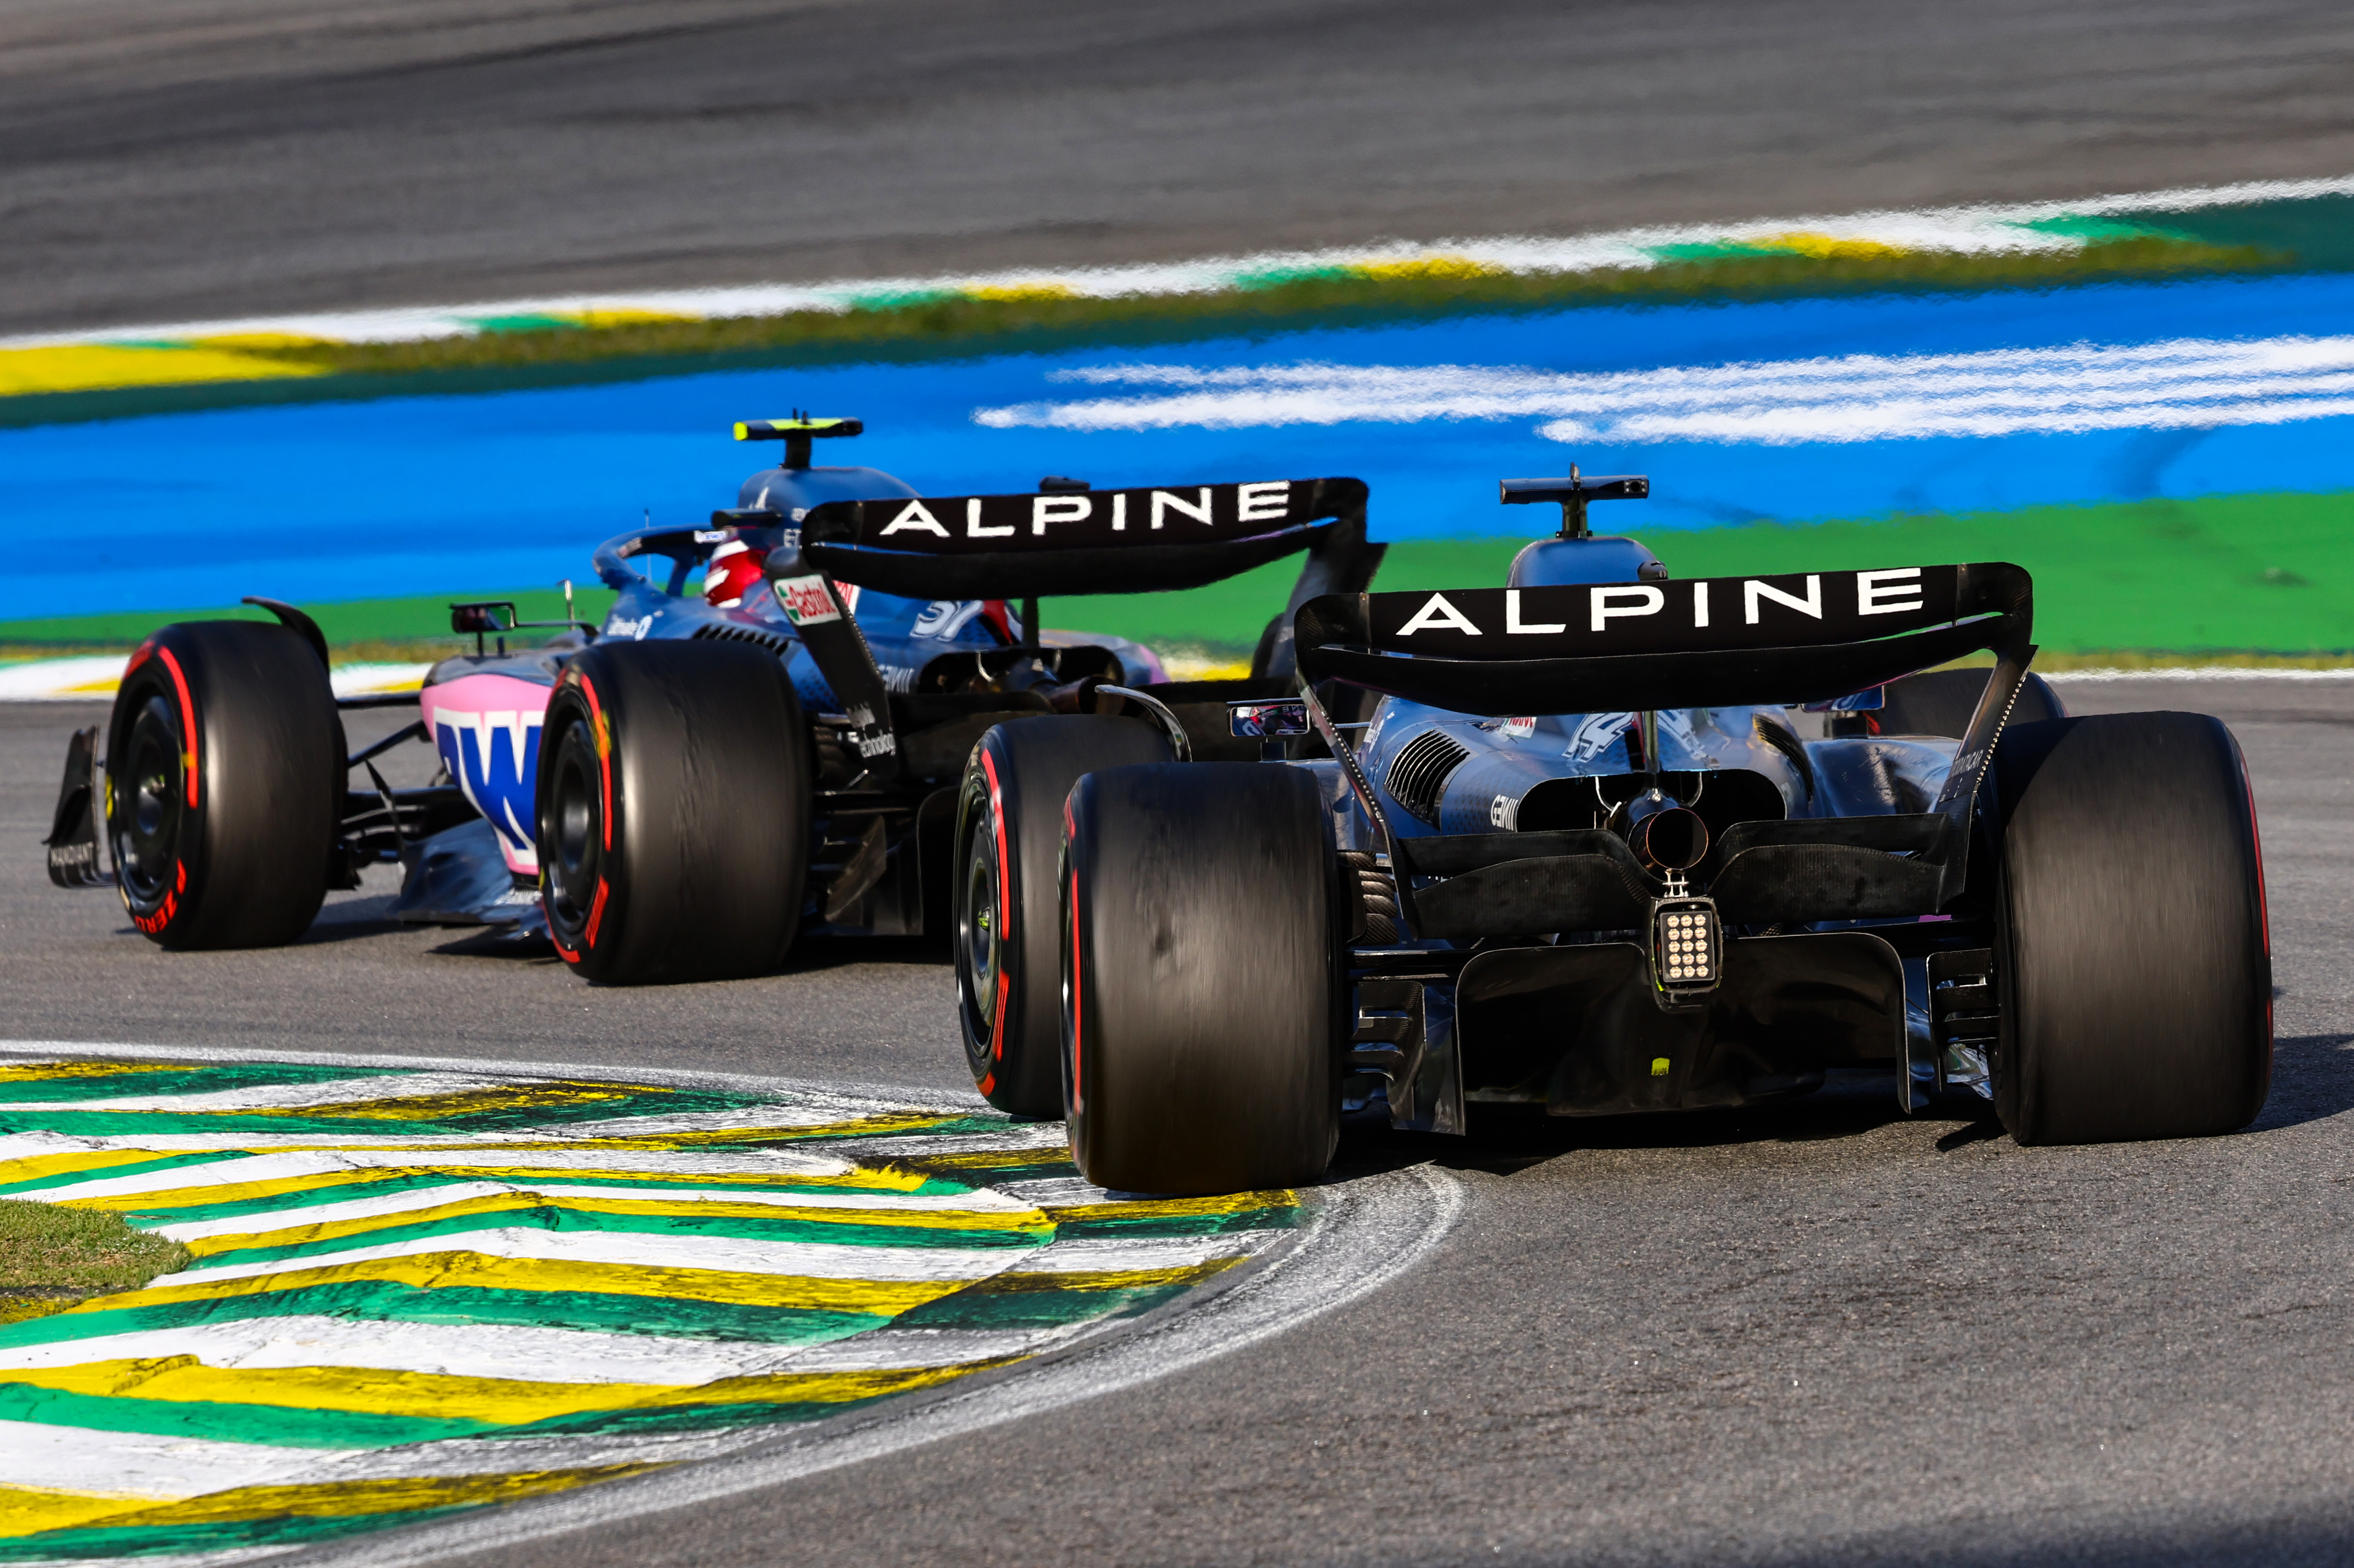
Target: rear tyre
x=1009 y=839
x=1940 y=701
x=224 y=785
x=1203 y=979
x=2132 y=958
x=674 y=785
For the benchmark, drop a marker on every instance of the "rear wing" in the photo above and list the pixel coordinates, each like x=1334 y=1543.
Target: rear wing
x=1065 y=539
x=1720 y=641
x=1147 y=540
x=1709 y=641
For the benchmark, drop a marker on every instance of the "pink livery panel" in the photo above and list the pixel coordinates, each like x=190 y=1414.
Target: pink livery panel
x=486 y=728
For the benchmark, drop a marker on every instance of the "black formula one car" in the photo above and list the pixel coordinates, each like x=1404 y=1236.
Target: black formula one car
x=1601 y=842
x=682 y=791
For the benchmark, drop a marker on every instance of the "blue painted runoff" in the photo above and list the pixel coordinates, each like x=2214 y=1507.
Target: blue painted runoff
x=329 y=500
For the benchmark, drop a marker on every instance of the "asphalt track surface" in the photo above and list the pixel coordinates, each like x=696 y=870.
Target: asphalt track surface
x=164 y=160
x=1823 y=1333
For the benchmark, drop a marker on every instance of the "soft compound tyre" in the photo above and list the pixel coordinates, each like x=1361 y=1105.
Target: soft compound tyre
x=2132 y=962
x=1203 y=976
x=1009 y=842
x=675 y=785
x=1940 y=701
x=224 y=785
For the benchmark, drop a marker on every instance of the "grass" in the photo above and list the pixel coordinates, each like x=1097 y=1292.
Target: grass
x=52 y=1257
x=2257 y=579
x=2261 y=578
x=399 y=631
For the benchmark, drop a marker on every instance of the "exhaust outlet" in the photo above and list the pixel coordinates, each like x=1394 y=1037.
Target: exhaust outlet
x=1671 y=838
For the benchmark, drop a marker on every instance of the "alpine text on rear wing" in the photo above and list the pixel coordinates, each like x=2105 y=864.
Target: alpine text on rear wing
x=1146 y=539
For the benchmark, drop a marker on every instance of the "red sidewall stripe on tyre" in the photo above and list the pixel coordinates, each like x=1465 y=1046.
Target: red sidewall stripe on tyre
x=603 y=738
x=596 y=914
x=2263 y=899
x=1078 y=968
x=187 y=723
x=1005 y=916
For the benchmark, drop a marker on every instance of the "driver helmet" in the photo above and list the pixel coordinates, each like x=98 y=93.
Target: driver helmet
x=733 y=572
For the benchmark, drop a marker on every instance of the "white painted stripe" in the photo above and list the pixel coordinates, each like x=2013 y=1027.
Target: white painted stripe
x=129 y=1464
x=777 y=1164
x=95 y=677
x=167 y=1470
x=981 y=1200
x=1112 y=1254
x=370 y=1139
x=894 y=1349
x=525 y=1353
x=195 y=1178
x=873 y=1098
x=785 y=1118
x=514 y=1455
x=2201 y=672
x=1053 y=1191
x=2183 y=383
x=522 y=1352
x=294 y=1097
x=81 y=679
x=1018 y=1138
x=622 y=1249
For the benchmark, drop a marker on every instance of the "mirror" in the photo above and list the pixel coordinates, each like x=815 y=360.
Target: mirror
x=1267 y=720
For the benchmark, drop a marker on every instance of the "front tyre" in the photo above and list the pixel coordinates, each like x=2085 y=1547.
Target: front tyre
x=1009 y=839
x=224 y=785
x=1203 y=979
x=673 y=819
x=2132 y=959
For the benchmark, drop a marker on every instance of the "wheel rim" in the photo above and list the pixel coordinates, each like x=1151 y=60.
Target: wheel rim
x=980 y=951
x=148 y=815
x=571 y=834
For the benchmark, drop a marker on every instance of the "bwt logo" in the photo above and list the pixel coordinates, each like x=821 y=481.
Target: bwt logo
x=493 y=758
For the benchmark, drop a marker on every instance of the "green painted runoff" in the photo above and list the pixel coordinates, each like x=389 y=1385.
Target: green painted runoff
x=2269 y=574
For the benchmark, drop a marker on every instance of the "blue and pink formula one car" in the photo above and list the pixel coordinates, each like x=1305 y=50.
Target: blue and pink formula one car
x=683 y=790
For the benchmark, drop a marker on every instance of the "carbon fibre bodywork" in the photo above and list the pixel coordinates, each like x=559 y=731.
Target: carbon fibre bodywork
x=1507 y=948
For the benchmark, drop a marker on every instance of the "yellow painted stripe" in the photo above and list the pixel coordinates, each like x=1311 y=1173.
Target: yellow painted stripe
x=93 y=1159
x=90 y=369
x=430 y=1271
x=27 y=1513
x=1029 y=1220
x=464 y=1102
x=33 y=1072
x=992 y=1158
x=506 y=1402
x=880 y=1178
x=1110 y=1278
x=1175 y=1208
x=343 y=1499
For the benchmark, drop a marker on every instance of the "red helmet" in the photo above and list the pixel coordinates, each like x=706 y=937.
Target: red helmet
x=734 y=571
